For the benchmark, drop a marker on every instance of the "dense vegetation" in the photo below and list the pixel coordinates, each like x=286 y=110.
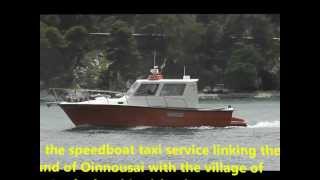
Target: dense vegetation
x=240 y=51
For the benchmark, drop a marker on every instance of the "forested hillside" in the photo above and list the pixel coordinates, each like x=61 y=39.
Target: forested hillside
x=240 y=51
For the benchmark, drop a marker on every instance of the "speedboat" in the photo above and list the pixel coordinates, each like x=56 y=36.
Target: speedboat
x=155 y=102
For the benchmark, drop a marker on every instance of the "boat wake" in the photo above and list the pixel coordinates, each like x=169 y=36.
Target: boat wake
x=168 y=128
x=263 y=124
x=140 y=127
x=201 y=127
x=266 y=124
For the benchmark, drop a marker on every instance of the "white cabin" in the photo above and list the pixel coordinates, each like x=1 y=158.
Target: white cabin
x=156 y=92
x=181 y=93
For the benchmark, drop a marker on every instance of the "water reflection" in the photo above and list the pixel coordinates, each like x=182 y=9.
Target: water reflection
x=146 y=130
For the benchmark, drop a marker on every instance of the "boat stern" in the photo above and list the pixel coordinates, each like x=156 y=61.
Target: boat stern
x=238 y=122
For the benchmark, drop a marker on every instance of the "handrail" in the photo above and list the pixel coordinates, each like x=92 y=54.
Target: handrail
x=88 y=90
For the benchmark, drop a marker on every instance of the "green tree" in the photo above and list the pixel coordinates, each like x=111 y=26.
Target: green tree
x=77 y=35
x=55 y=38
x=52 y=20
x=123 y=54
x=44 y=42
x=210 y=45
x=247 y=54
x=77 y=47
x=94 y=65
x=242 y=70
x=241 y=76
x=77 y=43
x=261 y=30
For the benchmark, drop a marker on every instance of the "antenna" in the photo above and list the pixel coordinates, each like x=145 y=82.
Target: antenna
x=154 y=58
x=163 y=64
x=184 y=73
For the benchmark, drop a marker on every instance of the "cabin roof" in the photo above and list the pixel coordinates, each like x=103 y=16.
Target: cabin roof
x=168 y=80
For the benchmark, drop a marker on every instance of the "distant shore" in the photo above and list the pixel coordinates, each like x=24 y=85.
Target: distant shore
x=257 y=94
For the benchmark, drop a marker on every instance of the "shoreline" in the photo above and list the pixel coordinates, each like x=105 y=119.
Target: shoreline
x=255 y=95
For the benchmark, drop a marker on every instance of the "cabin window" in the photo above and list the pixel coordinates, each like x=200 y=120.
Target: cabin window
x=172 y=90
x=132 y=89
x=147 y=90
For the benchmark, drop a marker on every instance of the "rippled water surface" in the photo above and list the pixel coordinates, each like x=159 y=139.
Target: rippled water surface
x=263 y=117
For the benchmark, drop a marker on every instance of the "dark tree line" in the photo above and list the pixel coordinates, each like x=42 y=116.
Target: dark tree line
x=240 y=51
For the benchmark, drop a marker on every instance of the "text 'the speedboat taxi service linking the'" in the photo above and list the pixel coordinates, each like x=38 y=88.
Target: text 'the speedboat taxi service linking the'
x=155 y=102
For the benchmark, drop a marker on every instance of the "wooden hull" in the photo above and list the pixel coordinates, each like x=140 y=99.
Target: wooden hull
x=129 y=116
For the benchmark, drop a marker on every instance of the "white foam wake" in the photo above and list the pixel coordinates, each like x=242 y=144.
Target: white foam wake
x=201 y=127
x=140 y=127
x=264 y=124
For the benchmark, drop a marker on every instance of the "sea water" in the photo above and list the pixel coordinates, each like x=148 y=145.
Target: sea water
x=262 y=115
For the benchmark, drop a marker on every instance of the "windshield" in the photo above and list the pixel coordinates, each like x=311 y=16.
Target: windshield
x=147 y=90
x=132 y=89
x=172 y=90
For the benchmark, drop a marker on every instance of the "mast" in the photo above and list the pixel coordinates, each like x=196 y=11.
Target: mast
x=154 y=58
x=184 y=73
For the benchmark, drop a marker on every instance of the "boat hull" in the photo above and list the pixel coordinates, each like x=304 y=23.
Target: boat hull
x=130 y=116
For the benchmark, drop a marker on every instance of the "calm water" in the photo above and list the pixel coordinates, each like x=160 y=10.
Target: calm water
x=263 y=117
